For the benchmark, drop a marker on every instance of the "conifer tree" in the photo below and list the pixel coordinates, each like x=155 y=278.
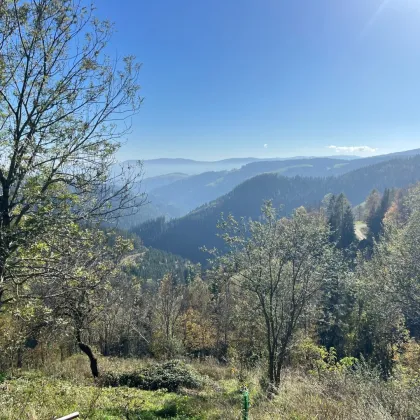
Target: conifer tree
x=341 y=220
x=375 y=218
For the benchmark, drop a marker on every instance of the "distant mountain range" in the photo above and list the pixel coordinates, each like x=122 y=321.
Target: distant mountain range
x=185 y=236
x=234 y=161
x=175 y=194
x=165 y=166
x=188 y=193
x=149 y=184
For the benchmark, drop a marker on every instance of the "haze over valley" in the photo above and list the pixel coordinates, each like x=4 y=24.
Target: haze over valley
x=175 y=194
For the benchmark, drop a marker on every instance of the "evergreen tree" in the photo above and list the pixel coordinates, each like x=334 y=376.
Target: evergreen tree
x=332 y=217
x=376 y=217
x=348 y=235
x=336 y=306
x=372 y=203
x=341 y=220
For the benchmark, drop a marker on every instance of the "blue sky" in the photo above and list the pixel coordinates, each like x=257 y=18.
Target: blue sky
x=266 y=78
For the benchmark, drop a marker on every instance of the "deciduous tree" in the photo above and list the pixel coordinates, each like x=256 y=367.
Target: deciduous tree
x=282 y=264
x=64 y=105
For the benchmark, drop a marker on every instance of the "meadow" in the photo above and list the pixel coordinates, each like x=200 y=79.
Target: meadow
x=60 y=388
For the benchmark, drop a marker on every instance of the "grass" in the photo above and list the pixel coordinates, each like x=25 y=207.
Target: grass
x=337 y=396
x=62 y=388
x=43 y=398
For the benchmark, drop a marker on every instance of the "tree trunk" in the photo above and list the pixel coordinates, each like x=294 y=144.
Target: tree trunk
x=275 y=365
x=4 y=225
x=278 y=372
x=2 y=265
x=93 y=361
x=271 y=368
x=62 y=357
x=19 y=358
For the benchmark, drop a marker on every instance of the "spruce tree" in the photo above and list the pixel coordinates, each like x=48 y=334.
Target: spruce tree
x=332 y=217
x=348 y=235
x=341 y=221
x=372 y=203
x=375 y=218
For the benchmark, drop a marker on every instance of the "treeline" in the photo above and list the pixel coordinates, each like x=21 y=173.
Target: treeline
x=187 y=235
x=284 y=286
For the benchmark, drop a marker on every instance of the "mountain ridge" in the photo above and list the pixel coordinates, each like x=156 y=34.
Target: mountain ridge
x=185 y=236
x=189 y=193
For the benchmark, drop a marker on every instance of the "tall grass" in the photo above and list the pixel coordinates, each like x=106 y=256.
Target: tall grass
x=334 y=395
x=61 y=388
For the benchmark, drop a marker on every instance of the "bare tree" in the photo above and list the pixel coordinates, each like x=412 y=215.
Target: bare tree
x=64 y=105
x=77 y=281
x=168 y=310
x=281 y=265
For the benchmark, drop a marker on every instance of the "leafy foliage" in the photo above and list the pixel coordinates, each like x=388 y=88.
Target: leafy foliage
x=284 y=286
x=170 y=376
x=282 y=264
x=60 y=96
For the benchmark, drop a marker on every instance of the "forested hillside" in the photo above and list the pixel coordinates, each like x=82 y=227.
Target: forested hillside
x=185 y=236
x=149 y=210
x=153 y=264
x=188 y=194
x=194 y=191
x=154 y=182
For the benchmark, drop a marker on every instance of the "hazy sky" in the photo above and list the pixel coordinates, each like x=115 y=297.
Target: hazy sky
x=265 y=78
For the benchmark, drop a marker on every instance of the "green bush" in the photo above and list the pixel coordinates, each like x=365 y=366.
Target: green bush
x=169 y=410
x=170 y=375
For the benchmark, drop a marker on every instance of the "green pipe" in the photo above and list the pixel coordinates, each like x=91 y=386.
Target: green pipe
x=245 y=403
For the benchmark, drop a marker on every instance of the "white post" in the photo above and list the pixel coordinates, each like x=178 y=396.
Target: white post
x=69 y=416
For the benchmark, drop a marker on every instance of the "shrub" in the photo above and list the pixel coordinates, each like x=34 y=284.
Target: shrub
x=169 y=410
x=316 y=359
x=170 y=375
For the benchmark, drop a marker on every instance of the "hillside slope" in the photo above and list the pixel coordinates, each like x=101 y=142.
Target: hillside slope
x=148 y=184
x=194 y=191
x=186 y=235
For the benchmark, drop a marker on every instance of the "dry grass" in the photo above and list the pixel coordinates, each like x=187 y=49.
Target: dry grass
x=355 y=396
x=65 y=387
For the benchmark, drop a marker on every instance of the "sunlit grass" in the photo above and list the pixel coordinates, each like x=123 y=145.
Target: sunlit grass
x=66 y=387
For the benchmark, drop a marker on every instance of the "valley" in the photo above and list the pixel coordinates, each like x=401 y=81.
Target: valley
x=190 y=192
x=209 y=210
x=187 y=235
